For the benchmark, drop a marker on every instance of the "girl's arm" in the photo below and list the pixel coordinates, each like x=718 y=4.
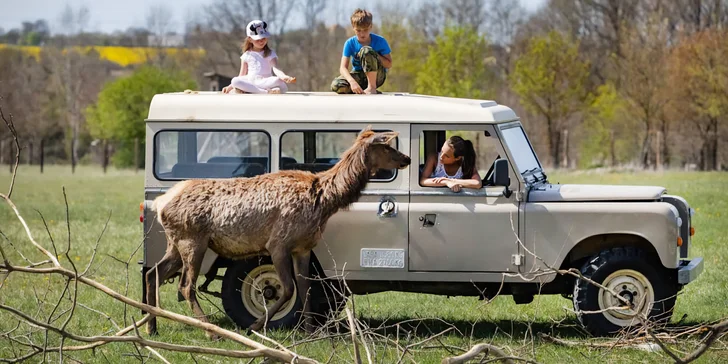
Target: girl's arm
x=473 y=182
x=278 y=72
x=427 y=172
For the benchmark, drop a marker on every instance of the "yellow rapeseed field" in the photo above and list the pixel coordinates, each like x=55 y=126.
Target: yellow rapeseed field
x=122 y=56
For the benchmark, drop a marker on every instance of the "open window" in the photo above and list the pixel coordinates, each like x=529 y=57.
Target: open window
x=485 y=145
x=319 y=150
x=184 y=154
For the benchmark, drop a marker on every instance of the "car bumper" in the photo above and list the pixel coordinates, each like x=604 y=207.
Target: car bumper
x=689 y=270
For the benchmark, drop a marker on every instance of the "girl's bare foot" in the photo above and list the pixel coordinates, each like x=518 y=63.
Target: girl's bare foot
x=274 y=90
x=369 y=91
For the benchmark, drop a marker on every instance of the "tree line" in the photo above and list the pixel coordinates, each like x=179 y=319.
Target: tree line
x=597 y=83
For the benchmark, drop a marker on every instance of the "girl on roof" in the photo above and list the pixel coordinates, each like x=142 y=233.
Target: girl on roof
x=258 y=65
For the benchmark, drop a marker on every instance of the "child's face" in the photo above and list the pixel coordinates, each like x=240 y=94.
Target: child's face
x=260 y=43
x=362 y=34
x=447 y=155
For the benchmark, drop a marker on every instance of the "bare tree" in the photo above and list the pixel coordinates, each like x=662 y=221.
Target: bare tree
x=465 y=12
x=160 y=21
x=76 y=76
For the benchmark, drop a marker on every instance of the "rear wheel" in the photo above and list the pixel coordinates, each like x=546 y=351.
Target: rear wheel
x=251 y=287
x=632 y=275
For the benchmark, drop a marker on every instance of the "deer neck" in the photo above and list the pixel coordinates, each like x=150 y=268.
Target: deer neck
x=341 y=185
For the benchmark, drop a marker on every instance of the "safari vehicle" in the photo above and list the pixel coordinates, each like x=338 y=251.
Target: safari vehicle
x=507 y=238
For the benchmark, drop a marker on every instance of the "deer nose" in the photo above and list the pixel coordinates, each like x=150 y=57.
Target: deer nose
x=407 y=160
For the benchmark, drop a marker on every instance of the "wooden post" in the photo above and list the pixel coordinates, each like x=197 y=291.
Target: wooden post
x=11 y=157
x=136 y=155
x=658 y=149
x=565 y=148
x=2 y=151
x=73 y=155
x=105 y=157
x=42 y=153
x=612 y=149
x=30 y=153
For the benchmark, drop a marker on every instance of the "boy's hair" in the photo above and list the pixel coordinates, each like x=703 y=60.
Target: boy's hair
x=248 y=45
x=361 y=19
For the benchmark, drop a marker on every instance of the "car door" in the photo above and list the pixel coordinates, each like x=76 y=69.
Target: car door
x=467 y=231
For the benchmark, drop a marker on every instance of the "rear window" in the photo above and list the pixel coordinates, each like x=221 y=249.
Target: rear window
x=183 y=154
x=319 y=150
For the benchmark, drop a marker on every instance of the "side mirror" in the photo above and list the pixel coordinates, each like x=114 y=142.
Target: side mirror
x=501 y=177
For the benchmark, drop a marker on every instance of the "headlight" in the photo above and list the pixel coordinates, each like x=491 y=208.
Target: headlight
x=678 y=221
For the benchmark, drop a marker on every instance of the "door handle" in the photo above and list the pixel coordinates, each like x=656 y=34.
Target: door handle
x=428 y=220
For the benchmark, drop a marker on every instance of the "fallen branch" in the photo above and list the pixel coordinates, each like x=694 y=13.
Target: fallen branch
x=714 y=332
x=477 y=350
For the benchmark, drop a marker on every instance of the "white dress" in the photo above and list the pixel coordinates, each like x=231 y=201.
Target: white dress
x=260 y=76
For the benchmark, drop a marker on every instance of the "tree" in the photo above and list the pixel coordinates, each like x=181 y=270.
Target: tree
x=643 y=82
x=550 y=79
x=457 y=65
x=699 y=77
x=123 y=105
x=608 y=130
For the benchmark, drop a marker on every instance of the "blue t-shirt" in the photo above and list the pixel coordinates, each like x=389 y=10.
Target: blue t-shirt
x=352 y=47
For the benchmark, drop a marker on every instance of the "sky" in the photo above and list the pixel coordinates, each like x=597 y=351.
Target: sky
x=111 y=15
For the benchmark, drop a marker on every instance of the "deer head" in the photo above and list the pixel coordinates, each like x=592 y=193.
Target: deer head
x=379 y=154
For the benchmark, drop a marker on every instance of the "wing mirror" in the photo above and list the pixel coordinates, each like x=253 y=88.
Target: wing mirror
x=501 y=177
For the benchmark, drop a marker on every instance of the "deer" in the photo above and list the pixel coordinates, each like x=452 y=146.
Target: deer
x=281 y=214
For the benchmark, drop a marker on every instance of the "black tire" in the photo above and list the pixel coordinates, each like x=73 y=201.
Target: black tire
x=244 y=312
x=624 y=270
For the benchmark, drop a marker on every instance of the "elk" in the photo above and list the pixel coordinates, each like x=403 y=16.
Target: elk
x=281 y=214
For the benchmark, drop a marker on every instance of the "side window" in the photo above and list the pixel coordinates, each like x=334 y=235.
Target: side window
x=182 y=154
x=317 y=151
x=431 y=145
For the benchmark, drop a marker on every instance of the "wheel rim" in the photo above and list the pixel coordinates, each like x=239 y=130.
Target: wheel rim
x=262 y=289
x=634 y=287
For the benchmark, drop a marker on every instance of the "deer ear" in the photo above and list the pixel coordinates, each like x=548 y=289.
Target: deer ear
x=384 y=138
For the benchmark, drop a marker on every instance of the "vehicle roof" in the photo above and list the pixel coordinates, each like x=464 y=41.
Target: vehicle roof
x=324 y=107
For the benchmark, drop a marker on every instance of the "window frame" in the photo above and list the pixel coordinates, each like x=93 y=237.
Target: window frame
x=324 y=130
x=155 y=147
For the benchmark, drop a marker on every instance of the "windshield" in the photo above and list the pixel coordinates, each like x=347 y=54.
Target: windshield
x=523 y=155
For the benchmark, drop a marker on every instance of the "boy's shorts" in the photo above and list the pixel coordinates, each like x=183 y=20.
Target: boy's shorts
x=369 y=62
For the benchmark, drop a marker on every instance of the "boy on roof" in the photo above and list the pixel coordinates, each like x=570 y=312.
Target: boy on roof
x=371 y=58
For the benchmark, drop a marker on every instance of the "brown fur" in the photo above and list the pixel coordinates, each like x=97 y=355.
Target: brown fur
x=280 y=214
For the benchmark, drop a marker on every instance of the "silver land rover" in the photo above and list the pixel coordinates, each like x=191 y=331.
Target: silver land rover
x=518 y=235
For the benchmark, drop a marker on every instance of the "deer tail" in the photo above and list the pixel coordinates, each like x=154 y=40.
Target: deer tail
x=160 y=202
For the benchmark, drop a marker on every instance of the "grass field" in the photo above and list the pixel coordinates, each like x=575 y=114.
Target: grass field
x=92 y=196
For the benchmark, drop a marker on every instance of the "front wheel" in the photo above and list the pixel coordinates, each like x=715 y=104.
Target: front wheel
x=633 y=276
x=251 y=287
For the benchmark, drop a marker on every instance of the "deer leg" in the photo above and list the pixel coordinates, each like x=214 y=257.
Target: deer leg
x=192 y=252
x=281 y=258
x=210 y=276
x=165 y=268
x=301 y=267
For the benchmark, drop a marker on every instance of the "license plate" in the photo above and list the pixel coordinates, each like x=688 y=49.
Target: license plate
x=382 y=258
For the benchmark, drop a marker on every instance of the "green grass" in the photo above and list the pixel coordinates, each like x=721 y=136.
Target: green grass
x=93 y=195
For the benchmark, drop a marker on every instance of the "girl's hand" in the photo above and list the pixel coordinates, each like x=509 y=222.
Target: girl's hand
x=454 y=186
x=227 y=89
x=288 y=79
x=440 y=179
